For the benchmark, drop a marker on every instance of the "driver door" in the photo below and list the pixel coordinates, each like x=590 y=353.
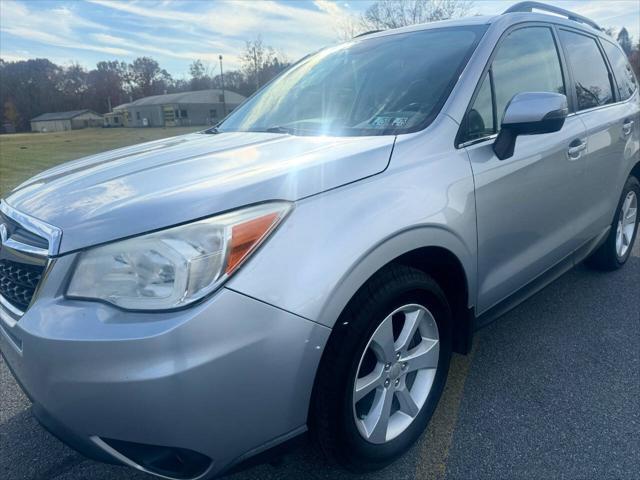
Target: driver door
x=527 y=204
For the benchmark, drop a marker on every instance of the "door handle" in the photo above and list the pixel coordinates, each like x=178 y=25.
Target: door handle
x=576 y=148
x=626 y=127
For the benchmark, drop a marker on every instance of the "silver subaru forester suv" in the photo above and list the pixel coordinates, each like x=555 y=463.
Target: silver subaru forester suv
x=184 y=305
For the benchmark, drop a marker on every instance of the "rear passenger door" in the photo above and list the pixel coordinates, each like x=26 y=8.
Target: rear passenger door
x=526 y=205
x=607 y=103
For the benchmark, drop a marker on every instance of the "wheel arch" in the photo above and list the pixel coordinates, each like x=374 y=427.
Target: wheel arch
x=436 y=251
x=635 y=171
x=447 y=270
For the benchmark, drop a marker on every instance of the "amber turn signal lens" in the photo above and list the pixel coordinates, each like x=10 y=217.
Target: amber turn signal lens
x=246 y=236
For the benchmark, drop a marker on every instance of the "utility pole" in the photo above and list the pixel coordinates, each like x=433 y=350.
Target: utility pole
x=224 y=99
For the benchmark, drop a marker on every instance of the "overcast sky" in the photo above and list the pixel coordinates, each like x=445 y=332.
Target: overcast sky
x=176 y=32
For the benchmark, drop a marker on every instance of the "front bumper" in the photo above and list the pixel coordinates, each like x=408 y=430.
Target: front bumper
x=226 y=378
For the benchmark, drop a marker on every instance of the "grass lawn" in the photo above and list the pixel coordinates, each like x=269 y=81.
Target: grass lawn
x=22 y=155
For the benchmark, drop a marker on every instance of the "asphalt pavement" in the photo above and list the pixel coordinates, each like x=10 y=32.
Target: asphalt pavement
x=551 y=390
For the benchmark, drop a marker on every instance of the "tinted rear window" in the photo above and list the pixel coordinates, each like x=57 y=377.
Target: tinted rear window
x=625 y=78
x=590 y=74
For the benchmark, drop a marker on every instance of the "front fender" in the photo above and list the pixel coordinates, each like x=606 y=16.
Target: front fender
x=332 y=243
x=391 y=248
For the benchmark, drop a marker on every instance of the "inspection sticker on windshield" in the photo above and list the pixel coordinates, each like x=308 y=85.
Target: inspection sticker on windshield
x=386 y=122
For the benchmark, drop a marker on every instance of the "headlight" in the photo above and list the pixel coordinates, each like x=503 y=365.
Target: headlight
x=177 y=266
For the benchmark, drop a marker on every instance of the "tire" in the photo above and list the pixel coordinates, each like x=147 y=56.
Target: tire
x=608 y=256
x=335 y=422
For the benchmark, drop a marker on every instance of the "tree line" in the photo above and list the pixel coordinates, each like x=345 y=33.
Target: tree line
x=31 y=87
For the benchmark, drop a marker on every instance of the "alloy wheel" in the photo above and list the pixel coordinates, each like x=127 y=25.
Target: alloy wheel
x=396 y=373
x=626 y=224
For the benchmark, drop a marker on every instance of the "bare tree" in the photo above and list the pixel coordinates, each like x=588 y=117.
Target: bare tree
x=254 y=58
x=348 y=27
x=385 y=14
x=260 y=62
x=201 y=75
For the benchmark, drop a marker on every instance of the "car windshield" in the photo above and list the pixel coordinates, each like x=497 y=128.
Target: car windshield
x=371 y=86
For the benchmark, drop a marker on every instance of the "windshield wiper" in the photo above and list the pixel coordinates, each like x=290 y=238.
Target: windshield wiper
x=279 y=129
x=212 y=131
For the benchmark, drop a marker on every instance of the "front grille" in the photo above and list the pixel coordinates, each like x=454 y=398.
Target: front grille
x=20 y=234
x=18 y=282
x=26 y=244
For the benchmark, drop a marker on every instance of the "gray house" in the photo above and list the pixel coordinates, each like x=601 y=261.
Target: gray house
x=61 y=121
x=202 y=107
x=114 y=119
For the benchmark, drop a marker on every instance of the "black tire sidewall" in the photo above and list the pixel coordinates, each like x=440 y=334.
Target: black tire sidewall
x=354 y=451
x=632 y=184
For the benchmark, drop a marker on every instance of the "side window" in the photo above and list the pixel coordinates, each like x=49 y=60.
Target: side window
x=527 y=61
x=590 y=74
x=625 y=78
x=480 y=117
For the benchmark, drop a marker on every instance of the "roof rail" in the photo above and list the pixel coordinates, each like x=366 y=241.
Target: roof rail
x=531 y=6
x=367 y=33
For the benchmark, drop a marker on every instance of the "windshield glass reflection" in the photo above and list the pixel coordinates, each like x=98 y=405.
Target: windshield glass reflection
x=377 y=86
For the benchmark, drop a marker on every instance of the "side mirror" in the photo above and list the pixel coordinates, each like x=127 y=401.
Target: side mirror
x=529 y=113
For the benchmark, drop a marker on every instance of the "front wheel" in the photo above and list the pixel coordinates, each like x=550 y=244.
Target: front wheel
x=384 y=370
x=616 y=250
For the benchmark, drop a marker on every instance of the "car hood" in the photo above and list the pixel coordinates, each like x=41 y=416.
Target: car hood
x=158 y=184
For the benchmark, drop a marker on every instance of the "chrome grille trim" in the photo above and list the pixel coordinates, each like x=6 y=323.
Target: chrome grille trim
x=8 y=313
x=15 y=248
x=52 y=234
x=17 y=312
x=24 y=248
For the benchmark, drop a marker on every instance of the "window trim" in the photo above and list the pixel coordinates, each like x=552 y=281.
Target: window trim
x=469 y=143
x=612 y=83
x=601 y=107
x=566 y=78
x=494 y=105
x=463 y=126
